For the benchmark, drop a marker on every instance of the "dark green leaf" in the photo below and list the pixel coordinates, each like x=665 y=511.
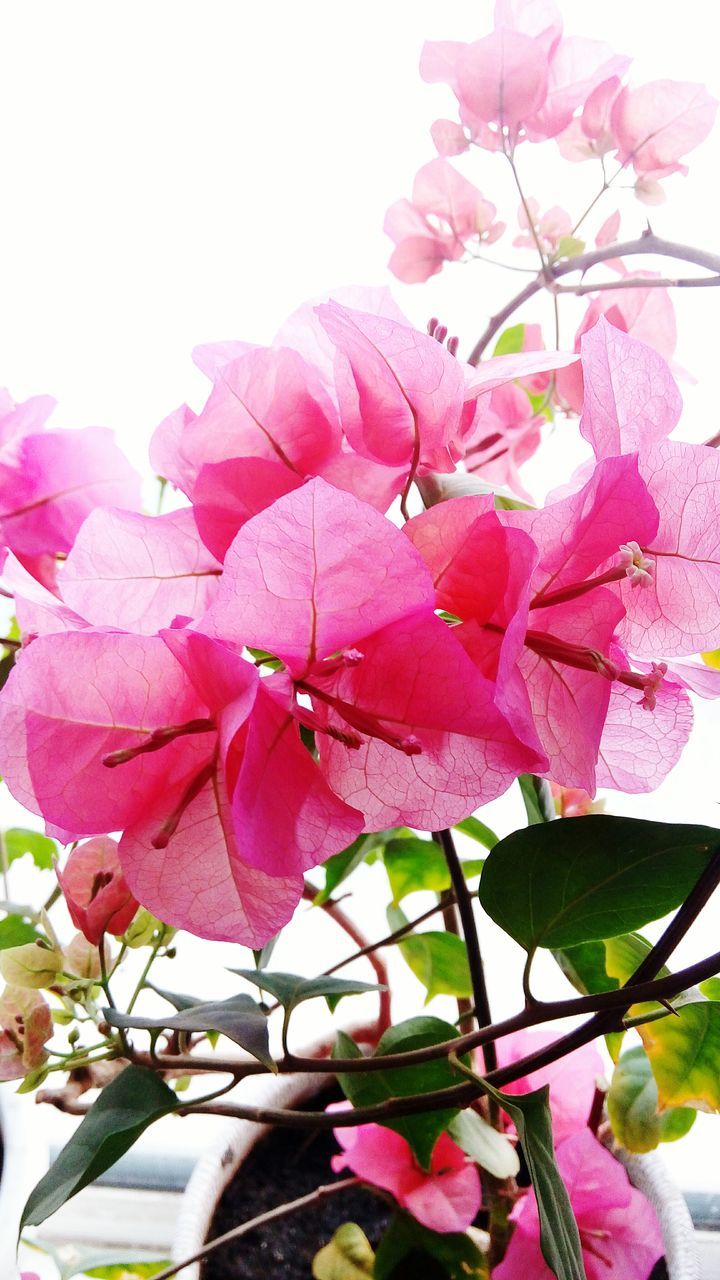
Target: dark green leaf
x=18 y=842
x=240 y=1019
x=341 y=865
x=632 y=1104
x=511 y=341
x=424 y=1252
x=580 y=879
x=559 y=1236
x=365 y=1089
x=176 y=998
x=477 y=830
x=14 y=931
x=125 y=1108
x=290 y=990
x=439 y=961
x=584 y=967
x=534 y=792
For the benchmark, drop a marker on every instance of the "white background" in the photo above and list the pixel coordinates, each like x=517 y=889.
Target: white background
x=176 y=172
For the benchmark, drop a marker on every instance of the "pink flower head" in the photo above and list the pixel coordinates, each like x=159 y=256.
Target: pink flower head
x=571 y=802
x=95 y=890
x=25 y=1026
x=447 y=1198
x=658 y=123
x=619 y=1230
x=572 y=1079
x=445 y=212
x=549 y=227
x=504 y=434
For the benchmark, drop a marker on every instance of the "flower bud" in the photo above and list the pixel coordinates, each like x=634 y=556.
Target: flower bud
x=96 y=892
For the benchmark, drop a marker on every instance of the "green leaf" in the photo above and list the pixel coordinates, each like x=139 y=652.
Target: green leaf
x=240 y=1019
x=534 y=793
x=511 y=341
x=454 y=1255
x=348 y=1256
x=584 y=967
x=290 y=990
x=413 y=864
x=477 y=830
x=175 y=998
x=15 y=931
x=580 y=879
x=105 y=1266
x=559 y=1236
x=439 y=961
x=491 y=1150
x=263 y=955
x=632 y=1103
x=711 y=988
x=342 y=864
x=364 y=1089
x=684 y=1053
x=125 y=1108
x=568 y=247
x=18 y=842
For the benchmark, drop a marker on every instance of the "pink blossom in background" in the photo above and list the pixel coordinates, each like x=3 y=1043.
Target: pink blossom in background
x=447 y=1198
x=505 y=433
x=549 y=227
x=645 y=314
x=572 y=1079
x=658 y=123
x=97 y=895
x=25 y=1026
x=446 y=211
x=619 y=1230
x=571 y=802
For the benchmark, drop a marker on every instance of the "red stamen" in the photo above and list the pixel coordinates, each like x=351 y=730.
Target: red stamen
x=156 y=740
x=362 y=721
x=170 y=825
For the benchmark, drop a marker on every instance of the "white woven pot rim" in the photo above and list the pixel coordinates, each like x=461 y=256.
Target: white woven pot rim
x=236 y=1138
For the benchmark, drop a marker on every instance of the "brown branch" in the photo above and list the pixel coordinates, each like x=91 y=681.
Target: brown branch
x=639 y=282
x=271 y=1215
x=647 y=243
x=472 y=941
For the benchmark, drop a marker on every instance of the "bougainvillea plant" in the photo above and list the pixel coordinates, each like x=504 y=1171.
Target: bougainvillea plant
x=354 y=628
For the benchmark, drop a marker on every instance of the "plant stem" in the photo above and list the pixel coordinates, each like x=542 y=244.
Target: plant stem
x=337 y=914
x=647 y=243
x=472 y=942
x=271 y=1215
x=387 y=941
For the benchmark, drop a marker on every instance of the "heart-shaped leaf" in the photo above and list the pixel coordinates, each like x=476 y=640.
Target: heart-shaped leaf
x=578 y=879
x=413 y=864
x=632 y=1103
x=290 y=990
x=126 y=1107
x=240 y=1019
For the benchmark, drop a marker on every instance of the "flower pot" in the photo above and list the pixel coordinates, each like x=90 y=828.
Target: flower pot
x=236 y=1140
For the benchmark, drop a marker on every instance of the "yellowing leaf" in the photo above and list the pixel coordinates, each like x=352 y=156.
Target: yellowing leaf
x=348 y=1256
x=684 y=1053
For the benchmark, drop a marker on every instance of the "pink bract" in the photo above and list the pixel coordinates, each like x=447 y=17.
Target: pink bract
x=97 y=895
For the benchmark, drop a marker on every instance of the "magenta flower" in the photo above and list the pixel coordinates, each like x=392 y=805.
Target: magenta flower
x=572 y=1079
x=619 y=1231
x=446 y=1198
x=95 y=890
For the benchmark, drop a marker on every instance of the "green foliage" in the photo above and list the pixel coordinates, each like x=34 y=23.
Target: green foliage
x=290 y=990
x=240 y=1019
x=684 y=1053
x=342 y=864
x=439 y=961
x=511 y=341
x=559 y=1236
x=568 y=247
x=711 y=988
x=413 y=864
x=348 y=1256
x=534 y=795
x=364 y=1089
x=454 y=1255
x=477 y=830
x=579 y=879
x=484 y=1144
x=125 y=1108
x=632 y=1104
x=19 y=841
x=15 y=931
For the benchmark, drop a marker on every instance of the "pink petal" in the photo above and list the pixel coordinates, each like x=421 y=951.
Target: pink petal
x=449 y=137
x=227 y=494
x=639 y=747
x=215 y=896
x=571 y=1079
x=95 y=910
x=537 y=18
x=137 y=572
x=449 y=1202
x=416 y=677
x=577 y=66
x=501 y=79
x=23 y=419
x=631 y=398
x=72 y=700
x=315 y=573
x=50 y=482
x=658 y=123
x=400 y=391
x=679 y=613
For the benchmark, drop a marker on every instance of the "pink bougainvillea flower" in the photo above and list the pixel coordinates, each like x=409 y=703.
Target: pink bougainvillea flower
x=631 y=398
x=549 y=227
x=571 y=802
x=658 y=123
x=447 y=1198
x=639 y=744
x=449 y=137
x=539 y=19
x=577 y=67
x=49 y=483
x=505 y=433
x=590 y=135
x=406 y=726
x=619 y=1230
x=22 y=419
x=25 y=1026
x=95 y=890
x=137 y=573
x=572 y=1079
x=445 y=212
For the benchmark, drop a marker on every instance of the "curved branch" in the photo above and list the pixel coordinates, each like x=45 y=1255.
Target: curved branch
x=647 y=243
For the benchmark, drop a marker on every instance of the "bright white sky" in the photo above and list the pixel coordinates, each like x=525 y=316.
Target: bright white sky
x=188 y=170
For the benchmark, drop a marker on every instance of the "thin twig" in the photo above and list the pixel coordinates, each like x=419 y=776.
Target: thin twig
x=337 y=914
x=472 y=941
x=270 y=1215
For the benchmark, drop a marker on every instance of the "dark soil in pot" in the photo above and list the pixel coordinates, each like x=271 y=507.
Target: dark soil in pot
x=285 y=1164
